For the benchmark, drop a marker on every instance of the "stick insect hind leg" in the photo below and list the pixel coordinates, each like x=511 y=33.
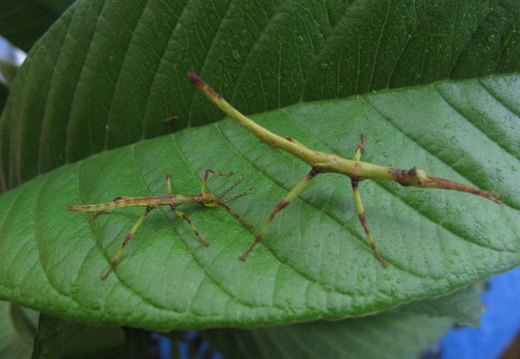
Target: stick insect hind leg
x=127 y=238
x=281 y=205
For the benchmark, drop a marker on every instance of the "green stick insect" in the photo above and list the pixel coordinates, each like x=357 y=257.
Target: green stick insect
x=321 y=162
x=204 y=197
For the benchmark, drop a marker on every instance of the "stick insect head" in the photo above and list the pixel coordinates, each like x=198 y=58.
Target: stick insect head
x=216 y=200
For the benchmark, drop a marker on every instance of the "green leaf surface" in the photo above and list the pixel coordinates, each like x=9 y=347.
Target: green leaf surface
x=109 y=71
x=17 y=330
x=23 y=22
x=388 y=335
x=314 y=261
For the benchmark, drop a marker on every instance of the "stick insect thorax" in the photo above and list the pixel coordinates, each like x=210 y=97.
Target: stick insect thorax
x=206 y=199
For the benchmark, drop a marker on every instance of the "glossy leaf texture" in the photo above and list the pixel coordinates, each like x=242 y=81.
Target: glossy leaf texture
x=314 y=261
x=108 y=73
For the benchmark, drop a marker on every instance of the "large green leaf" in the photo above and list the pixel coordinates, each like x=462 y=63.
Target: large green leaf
x=314 y=262
x=110 y=71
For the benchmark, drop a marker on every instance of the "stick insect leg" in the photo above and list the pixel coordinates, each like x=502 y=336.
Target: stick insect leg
x=230 y=210
x=185 y=216
x=127 y=238
x=230 y=188
x=359 y=205
x=281 y=205
x=206 y=174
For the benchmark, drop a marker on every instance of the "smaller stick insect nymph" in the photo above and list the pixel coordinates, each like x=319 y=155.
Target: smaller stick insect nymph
x=204 y=197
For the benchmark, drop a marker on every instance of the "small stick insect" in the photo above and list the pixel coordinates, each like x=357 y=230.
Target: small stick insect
x=204 y=197
x=321 y=162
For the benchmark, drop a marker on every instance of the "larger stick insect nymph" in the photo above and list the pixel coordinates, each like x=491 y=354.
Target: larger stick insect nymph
x=204 y=197
x=321 y=162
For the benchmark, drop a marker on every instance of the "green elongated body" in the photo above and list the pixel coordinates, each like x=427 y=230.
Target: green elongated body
x=205 y=198
x=326 y=162
x=321 y=162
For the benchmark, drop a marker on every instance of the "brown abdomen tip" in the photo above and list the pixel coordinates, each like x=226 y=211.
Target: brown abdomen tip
x=195 y=79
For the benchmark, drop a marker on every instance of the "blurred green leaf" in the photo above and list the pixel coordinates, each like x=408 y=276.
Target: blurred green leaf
x=388 y=335
x=399 y=333
x=463 y=306
x=8 y=70
x=59 y=338
x=17 y=330
x=23 y=22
